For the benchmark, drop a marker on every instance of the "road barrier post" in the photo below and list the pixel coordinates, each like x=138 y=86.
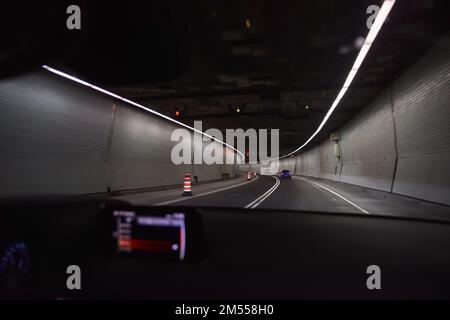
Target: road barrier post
x=187 y=185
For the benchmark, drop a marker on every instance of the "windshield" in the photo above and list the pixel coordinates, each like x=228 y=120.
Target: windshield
x=322 y=106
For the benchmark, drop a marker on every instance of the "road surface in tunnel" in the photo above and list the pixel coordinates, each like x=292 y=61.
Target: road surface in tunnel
x=291 y=194
x=302 y=195
x=298 y=194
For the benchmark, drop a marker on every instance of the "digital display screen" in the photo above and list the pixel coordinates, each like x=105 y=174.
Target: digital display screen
x=150 y=234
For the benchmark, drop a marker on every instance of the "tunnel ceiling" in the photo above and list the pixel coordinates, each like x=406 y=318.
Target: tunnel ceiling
x=281 y=63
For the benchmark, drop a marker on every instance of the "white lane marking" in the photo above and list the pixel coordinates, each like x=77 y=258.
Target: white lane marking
x=204 y=194
x=336 y=194
x=264 y=196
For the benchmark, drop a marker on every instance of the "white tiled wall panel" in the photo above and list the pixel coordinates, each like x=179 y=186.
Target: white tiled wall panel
x=368 y=146
x=422 y=114
x=56 y=138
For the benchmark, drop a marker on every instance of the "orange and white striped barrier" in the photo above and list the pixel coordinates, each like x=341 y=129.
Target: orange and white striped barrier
x=187 y=191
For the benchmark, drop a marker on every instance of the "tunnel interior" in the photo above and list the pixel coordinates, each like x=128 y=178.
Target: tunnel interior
x=242 y=129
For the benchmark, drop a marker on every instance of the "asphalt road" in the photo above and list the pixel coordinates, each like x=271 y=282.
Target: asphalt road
x=297 y=194
x=269 y=192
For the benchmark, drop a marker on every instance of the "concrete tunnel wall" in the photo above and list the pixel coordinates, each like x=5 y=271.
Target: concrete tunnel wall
x=61 y=137
x=400 y=142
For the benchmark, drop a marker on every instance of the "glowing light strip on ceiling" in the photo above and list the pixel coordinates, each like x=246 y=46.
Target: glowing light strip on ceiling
x=378 y=23
x=140 y=106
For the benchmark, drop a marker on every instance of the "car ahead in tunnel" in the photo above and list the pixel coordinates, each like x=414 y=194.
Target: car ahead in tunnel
x=285 y=174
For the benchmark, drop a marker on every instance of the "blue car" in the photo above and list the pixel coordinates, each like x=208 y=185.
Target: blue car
x=286 y=174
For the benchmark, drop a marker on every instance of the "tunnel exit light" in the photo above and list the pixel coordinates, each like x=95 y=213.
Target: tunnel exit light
x=371 y=36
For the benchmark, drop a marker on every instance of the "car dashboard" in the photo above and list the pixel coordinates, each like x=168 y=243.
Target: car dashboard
x=127 y=252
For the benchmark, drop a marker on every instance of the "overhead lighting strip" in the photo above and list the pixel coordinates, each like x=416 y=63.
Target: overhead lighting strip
x=140 y=106
x=371 y=36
